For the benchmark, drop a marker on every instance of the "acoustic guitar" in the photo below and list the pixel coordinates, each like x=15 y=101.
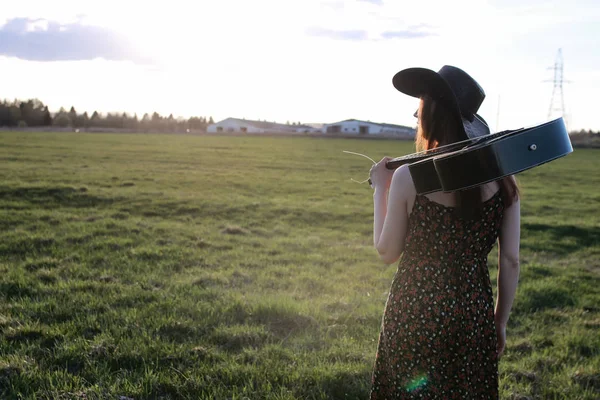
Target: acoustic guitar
x=473 y=162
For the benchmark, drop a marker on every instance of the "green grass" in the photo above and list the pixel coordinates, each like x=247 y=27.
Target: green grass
x=163 y=266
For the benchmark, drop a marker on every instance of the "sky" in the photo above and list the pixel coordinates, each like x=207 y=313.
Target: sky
x=309 y=61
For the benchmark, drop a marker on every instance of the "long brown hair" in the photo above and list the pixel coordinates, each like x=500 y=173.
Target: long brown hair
x=438 y=127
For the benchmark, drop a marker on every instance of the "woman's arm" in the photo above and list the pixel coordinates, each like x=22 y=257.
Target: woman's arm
x=390 y=216
x=380 y=201
x=508 y=268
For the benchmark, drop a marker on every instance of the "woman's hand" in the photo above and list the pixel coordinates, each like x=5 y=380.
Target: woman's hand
x=501 y=335
x=380 y=176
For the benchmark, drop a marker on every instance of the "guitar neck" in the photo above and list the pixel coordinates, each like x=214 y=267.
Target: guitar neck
x=398 y=162
x=415 y=157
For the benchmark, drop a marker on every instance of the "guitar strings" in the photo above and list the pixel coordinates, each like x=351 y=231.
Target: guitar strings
x=418 y=153
x=362 y=155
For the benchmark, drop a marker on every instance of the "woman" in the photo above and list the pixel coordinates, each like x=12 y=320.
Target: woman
x=441 y=337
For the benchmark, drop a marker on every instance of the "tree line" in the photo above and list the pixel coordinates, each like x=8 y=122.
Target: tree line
x=585 y=132
x=33 y=113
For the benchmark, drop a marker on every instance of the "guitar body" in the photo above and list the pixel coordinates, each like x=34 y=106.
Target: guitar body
x=423 y=171
x=463 y=165
x=421 y=164
x=503 y=156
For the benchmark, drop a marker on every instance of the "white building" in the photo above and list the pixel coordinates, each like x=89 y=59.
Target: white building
x=346 y=127
x=358 y=127
x=249 y=126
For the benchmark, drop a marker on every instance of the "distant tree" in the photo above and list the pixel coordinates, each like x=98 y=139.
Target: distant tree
x=32 y=112
x=47 y=117
x=113 y=120
x=62 y=119
x=3 y=113
x=25 y=110
x=134 y=122
x=14 y=115
x=146 y=122
x=95 y=120
x=75 y=121
x=85 y=120
x=124 y=121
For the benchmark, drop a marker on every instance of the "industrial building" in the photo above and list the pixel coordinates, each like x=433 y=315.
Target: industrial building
x=358 y=127
x=250 y=126
x=346 y=127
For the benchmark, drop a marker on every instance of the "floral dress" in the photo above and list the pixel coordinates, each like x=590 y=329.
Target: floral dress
x=438 y=338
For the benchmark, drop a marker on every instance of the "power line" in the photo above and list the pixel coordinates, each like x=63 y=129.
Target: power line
x=557 y=101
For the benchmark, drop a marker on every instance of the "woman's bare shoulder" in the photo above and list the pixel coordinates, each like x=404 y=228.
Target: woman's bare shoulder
x=402 y=181
x=489 y=189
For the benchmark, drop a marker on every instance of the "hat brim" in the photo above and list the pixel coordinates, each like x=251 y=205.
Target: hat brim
x=417 y=82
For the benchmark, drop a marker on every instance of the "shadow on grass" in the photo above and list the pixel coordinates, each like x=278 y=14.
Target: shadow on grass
x=181 y=333
x=25 y=335
x=16 y=290
x=537 y=299
x=235 y=340
x=340 y=385
x=280 y=321
x=26 y=246
x=64 y=196
x=51 y=197
x=562 y=239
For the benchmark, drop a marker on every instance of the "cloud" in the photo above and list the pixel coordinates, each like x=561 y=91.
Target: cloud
x=412 y=32
x=405 y=34
x=45 y=40
x=376 y=2
x=354 y=35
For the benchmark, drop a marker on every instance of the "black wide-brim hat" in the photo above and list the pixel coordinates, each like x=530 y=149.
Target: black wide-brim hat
x=453 y=87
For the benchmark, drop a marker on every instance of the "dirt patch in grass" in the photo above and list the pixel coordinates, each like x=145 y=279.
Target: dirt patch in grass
x=587 y=381
x=180 y=332
x=25 y=335
x=236 y=338
x=523 y=348
x=234 y=230
x=211 y=281
x=107 y=279
x=46 y=276
x=42 y=263
x=9 y=372
x=524 y=377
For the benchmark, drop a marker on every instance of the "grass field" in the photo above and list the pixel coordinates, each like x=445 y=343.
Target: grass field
x=173 y=267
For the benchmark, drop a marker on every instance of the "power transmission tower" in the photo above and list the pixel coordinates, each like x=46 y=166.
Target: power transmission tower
x=557 y=102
